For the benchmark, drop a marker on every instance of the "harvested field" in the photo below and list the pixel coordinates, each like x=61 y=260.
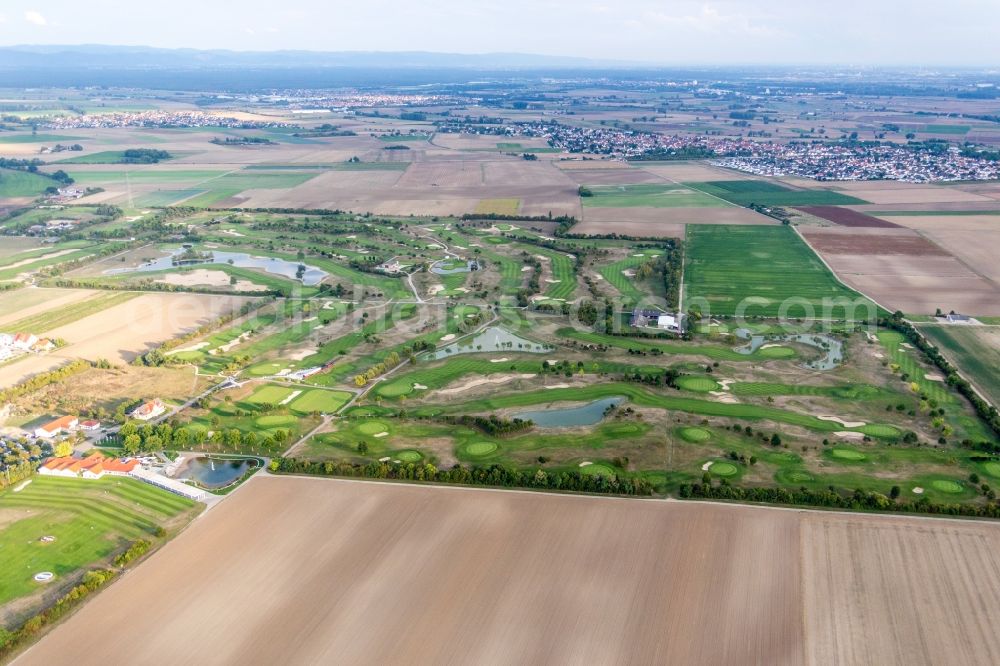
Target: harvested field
x=21 y=303
x=845 y=217
x=611 y=581
x=123 y=331
x=972 y=239
x=905 y=193
x=844 y=241
x=896 y=591
x=612 y=176
x=902 y=270
x=609 y=578
x=661 y=222
x=693 y=172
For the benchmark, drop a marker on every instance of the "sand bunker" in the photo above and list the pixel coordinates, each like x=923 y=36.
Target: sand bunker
x=848 y=434
x=380 y=435
x=933 y=377
x=419 y=387
x=291 y=396
x=837 y=419
x=557 y=386
x=918 y=490
x=499 y=360
x=585 y=463
x=203 y=277
x=724 y=396
x=480 y=381
x=450 y=336
x=190 y=348
x=302 y=354
x=233 y=343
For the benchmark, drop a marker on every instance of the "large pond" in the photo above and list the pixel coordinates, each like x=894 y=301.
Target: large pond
x=567 y=417
x=831 y=348
x=214 y=473
x=282 y=267
x=452 y=266
x=492 y=339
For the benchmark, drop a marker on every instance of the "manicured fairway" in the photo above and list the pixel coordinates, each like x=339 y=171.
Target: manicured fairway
x=847 y=454
x=975 y=350
x=766 y=271
x=654 y=195
x=90 y=520
x=270 y=395
x=319 y=400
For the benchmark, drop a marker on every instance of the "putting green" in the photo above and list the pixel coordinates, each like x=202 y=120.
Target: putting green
x=992 y=468
x=396 y=388
x=880 y=430
x=776 y=352
x=372 y=427
x=698 y=384
x=947 y=486
x=269 y=395
x=275 y=421
x=847 y=454
x=722 y=468
x=598 y=469
x=408 y=456
x=695 y=434
x=798 y=477
x=479 y=449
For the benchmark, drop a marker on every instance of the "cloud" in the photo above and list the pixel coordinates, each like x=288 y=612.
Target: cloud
x=35 y=18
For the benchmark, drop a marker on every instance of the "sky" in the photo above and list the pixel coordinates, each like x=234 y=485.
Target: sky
x=850 y=32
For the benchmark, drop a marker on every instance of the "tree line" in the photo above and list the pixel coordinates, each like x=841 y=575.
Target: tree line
x=493 y=475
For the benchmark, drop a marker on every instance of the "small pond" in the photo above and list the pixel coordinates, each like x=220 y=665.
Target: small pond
x=282 y=267
x=567 y=417
x=452 y=266
x=214 y=473
x=833 y=349
x=492 y=339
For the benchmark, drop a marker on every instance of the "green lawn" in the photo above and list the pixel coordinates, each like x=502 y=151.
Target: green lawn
x=320 y=400
x=14 y=183
x=654 y=195
x=766 y=193
x=762 y=271
x=975 y=350
x=91 y=520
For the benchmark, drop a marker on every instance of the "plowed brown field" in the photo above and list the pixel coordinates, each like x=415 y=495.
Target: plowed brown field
x=297 y=571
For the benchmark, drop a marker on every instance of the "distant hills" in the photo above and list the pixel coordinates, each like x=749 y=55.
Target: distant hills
x=93 y=56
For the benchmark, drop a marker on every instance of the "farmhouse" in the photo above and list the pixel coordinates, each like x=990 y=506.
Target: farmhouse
x=664 y=321
x=62 y=425
x=390 y=266
x=148 y=410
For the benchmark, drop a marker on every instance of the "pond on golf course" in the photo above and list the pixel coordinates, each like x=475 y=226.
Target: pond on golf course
x=833 y=349
x=492 y=339
x=214 y=473
x=282 y=267
x=453 y=266
x=568 y=417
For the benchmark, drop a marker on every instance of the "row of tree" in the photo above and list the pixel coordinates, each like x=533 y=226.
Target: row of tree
x=493 y=475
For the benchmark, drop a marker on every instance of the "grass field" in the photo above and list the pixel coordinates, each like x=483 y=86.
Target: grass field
x=37 y=138
x=320 y=400
x=46 y=321
x=90 y=519
x=498 y=206
x=15 y=183
x=653 y=195
x=765 y=271
x=975 y=350
x=103 y=157
x=631 y=288
x=765 y=193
